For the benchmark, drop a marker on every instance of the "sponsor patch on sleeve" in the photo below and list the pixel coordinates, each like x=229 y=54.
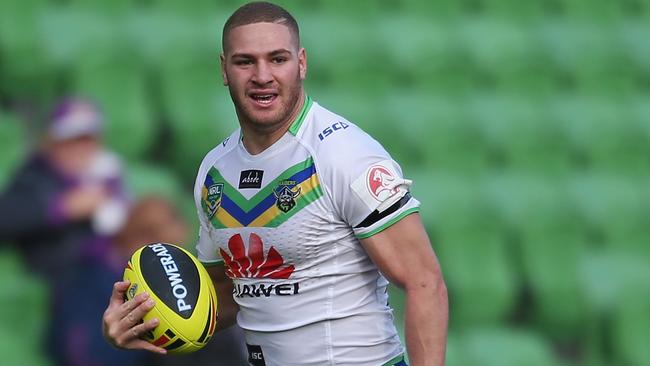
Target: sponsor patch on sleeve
x=380 y=185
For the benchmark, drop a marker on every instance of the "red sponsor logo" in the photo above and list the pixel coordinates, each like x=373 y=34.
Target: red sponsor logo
x=254 y=263
x=379 y=182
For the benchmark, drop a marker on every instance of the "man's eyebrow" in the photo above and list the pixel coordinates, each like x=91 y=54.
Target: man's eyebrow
x=279 y=52
x=272 y=53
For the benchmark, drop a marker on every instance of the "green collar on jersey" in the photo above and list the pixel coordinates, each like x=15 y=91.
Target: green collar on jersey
x=295 y=126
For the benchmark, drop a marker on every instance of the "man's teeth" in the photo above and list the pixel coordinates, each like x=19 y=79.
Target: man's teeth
x=263 y=98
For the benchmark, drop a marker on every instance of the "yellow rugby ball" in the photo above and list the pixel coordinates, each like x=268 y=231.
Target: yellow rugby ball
x=186 y=302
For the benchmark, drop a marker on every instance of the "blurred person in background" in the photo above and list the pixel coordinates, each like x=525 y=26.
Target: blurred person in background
x=303 y=219
x=76 y=337
x=67 y=195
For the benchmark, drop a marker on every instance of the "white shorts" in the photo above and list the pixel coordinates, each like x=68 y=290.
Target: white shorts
x=351 y=341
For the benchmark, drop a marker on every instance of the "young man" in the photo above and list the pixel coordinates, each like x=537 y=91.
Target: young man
x=302 y=215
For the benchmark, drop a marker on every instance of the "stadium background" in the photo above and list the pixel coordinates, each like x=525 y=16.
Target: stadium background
x=524 y=124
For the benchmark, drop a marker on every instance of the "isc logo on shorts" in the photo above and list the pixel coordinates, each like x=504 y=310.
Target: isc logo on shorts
x=255 y=355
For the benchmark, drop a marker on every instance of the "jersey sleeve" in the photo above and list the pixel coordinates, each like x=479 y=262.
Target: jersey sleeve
x=367 y=186
x=205 y=246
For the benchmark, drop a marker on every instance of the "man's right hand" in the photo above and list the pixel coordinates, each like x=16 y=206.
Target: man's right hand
x=122 y=322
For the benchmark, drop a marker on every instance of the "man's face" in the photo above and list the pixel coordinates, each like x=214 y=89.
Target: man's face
x=264 y=67
x=73 y=156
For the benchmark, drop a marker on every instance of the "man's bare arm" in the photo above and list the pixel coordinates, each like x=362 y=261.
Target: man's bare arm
x=404 y=255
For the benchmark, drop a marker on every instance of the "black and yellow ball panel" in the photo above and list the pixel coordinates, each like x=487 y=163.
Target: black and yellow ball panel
x=186 y=302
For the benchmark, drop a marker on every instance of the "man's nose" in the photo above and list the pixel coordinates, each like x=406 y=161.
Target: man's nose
x=262 y=75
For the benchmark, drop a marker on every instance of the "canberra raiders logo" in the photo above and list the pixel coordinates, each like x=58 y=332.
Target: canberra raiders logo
x=212 y=199
x=285 y=195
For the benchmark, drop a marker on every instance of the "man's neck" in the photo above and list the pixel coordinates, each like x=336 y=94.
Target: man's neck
x=256 y=141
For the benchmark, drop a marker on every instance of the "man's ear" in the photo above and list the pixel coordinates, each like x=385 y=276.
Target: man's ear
x=222 y=58
x=302 y=63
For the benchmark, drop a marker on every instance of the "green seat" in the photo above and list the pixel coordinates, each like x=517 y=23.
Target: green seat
x=358 y=69
x=513 y=9
x=15 y=352
x=13 y=146
x=26 y=72
x=143 y=179
x=456 y=354
x=196 y=7
x=520 y=135
x=120 y=90
x=442 y=9
x=506 y=347
x=608 y=135
x=631 y=327
x=632 y=31
x=585 y=10
x=499 y=51
x=552 y=241
x=470 y=241
x=437 y=133
x=200 y=113
x=617 y=209
x=111 y=8
x=418 y=54
x=23 y=302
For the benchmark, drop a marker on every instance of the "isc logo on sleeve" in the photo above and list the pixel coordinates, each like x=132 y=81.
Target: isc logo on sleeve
x=255 y=355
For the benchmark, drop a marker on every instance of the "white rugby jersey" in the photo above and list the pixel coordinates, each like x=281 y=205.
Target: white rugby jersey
x=287 y=223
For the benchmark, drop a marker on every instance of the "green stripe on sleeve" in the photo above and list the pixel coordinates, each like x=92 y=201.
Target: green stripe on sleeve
x=212 y=263
x=388 y=224
x=395 y=360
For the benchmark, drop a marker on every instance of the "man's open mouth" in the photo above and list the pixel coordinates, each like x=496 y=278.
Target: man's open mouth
x=263 y=99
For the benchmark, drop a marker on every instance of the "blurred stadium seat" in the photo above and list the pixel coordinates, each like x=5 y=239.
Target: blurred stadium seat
x=25 y=71
x=552 y=241
x=120 y=89
x=505 y=347
x=520 y=134
x=471 y=243
x=631 y=326
x=524 y=125
x=23 y=312
x=199 y=112
x=13 y=145
x=617 y=208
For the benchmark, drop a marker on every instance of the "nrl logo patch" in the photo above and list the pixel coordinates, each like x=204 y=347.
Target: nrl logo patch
x=285 y=195
x=212 y=199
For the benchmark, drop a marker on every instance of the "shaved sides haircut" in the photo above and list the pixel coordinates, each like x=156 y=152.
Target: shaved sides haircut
x=260 y=12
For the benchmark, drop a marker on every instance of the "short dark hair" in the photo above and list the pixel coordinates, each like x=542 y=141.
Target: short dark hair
x=260 y=12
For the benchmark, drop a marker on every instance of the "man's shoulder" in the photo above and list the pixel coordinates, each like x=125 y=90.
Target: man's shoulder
x=335 y=139
x=218 y=152
x=339 y=146
x=328 y=130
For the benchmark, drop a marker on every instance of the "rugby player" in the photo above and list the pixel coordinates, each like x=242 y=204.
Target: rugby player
x=304 y=219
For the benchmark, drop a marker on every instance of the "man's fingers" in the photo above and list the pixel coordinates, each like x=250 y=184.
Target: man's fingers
x=141 y=344
x=130 y=339
x=128 y=306
x=117 y=297
x=134 y=316
x=143 y=328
